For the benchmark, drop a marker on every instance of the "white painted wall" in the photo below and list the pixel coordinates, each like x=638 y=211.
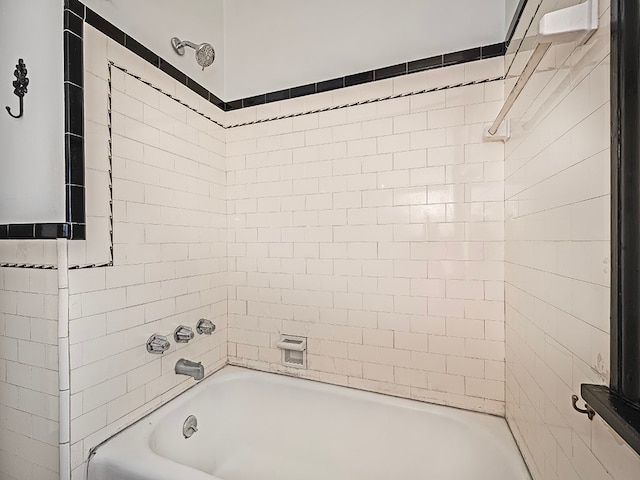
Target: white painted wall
x=154 y=22
x=283 y=43
x=32 y=148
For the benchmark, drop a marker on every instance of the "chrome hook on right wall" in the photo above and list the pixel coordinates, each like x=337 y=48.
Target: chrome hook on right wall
x=587 y=410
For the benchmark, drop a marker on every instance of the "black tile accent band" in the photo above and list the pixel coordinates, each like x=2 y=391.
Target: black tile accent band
x=301 y=91
x=35 y=231
x=106 y=27
x=253 y=101
x=439 y=61
x=453 y=58
x=514 y=22
x=74 y=228
x=75 y=13
x=390 y=72
x=277 y=96
x=76 y=7
x=359 y=78
x=73 y=23
x=142 y=51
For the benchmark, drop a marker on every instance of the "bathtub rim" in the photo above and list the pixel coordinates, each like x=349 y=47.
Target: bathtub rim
x=487 y=420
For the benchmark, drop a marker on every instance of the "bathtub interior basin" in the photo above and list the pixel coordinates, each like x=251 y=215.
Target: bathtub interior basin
x=260 y=426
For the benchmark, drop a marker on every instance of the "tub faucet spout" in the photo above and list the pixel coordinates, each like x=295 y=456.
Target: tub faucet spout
x=192 y=369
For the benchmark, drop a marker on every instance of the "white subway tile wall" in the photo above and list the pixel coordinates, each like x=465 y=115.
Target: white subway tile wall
x=29 y=370
x=30 y=252
x=557 y=265
x=379 y=231
x=169 y=216
x=376 y=231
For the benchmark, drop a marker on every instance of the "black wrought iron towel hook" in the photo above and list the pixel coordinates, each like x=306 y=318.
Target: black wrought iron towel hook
x=587 y=410
x=20 y=85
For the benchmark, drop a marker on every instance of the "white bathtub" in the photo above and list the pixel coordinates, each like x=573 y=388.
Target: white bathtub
x=260 y=426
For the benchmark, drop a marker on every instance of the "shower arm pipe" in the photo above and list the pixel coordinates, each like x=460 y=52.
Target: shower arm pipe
x=187 y=43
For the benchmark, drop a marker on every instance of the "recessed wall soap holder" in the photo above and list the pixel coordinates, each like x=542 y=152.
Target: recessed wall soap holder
x=294 y=351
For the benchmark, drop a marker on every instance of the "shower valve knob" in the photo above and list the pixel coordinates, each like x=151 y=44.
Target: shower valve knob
x=183 y=334
x=205 y=326
x=157 y=344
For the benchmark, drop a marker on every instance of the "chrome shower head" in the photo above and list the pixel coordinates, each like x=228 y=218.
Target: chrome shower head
x=205 y=54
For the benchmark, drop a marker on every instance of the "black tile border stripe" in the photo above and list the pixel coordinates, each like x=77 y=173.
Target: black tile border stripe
x=448 y=59
x=74 y=120
x=514 y=22
x=35 y=231
x=76 y=14
x=439 y=61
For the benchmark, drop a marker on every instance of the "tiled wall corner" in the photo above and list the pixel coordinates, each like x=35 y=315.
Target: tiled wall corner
x=376 y=231
x=557 y=265
x=169 y=252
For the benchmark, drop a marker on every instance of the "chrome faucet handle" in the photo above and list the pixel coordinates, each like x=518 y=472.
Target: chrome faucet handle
x=183 y=334
x=157 y=344
x=205 y=326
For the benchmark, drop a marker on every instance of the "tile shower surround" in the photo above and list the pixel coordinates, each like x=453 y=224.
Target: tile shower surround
x=90 y=428
x=167 y=166
x=557 y=251
x=376 y=232
x=109 y=305
x=95 y=412
x=76 y=14
x=28 y=374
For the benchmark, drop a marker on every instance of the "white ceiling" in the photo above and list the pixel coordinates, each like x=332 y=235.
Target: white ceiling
x=154 y=22
x=268 y=45
x=275 y=44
